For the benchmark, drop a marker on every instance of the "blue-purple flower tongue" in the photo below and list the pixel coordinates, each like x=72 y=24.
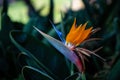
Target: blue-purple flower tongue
x=58 y=32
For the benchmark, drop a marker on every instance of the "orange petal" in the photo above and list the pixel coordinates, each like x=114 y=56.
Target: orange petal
x=72 y=35
x=85 y=24
x=79 y=33
x=73 y=26
x=79 y=37
x=84 y=35
x=69 y=35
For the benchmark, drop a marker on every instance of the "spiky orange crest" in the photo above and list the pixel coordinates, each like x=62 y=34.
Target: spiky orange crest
x=78 y=34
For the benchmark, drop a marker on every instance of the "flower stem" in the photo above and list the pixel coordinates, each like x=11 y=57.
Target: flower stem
x=72 y=69
x=83 y=76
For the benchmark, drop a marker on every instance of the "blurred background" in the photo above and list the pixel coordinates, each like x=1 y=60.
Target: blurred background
x=26 y=55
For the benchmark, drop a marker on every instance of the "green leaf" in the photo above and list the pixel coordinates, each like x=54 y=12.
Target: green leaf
x=31 y=73
x=46 y=57
x=25 y=59
x=6 y=26
x=28 y=53
x=20 y=77
x=75 y=76
x=115 y=72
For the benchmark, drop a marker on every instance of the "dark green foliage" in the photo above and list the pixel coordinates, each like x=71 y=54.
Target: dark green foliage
x=26 y=55
x=114 y=73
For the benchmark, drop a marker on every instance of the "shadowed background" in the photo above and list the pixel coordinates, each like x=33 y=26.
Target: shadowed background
x=26 y=55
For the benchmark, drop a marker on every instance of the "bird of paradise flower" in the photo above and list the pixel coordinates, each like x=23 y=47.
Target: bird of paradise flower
x=69 y=47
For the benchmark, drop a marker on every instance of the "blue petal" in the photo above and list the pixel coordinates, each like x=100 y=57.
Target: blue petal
x=58 y=32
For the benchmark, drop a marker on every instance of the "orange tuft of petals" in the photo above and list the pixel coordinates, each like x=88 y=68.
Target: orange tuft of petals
x=78 y=34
